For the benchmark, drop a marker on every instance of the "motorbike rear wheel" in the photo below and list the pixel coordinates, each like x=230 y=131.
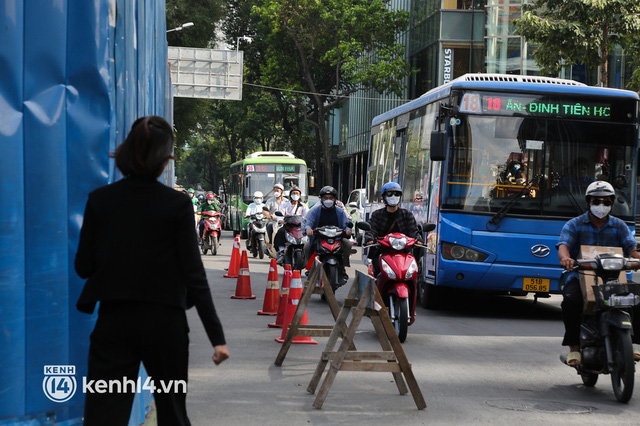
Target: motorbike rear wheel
x=622 y=375
x=399 y=313
x=214 y=245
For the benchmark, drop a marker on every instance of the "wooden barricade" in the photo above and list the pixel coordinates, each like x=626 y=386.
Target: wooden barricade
x=360 y=303
x=318 y=283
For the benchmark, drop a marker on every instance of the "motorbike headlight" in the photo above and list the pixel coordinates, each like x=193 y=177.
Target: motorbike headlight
x=413 y=268
x=387 y=269
x=290 y=238
x=259 y=216
x=398 y=243
x=457 y=252
x=613 y=264
x=305 y=239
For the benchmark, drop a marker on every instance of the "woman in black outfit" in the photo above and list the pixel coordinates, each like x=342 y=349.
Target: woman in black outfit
x=139 y=253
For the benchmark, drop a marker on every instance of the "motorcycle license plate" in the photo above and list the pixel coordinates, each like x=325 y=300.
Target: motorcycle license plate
x=536 y=284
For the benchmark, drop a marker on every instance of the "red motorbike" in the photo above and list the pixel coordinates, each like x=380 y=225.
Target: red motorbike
x=212 y=231
x=397 y=280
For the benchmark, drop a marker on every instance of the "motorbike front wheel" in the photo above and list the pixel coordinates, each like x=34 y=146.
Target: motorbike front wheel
x=332 y=276
x=261 y=249
x=622 y=375
x=214 y=245
x=254 y=248
x=298 y=260
x=399 y=313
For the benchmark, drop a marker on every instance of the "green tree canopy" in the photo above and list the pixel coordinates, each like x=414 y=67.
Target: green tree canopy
x=578 y=31
x=328 y=49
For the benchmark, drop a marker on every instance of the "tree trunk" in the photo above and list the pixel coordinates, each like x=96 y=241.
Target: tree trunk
x=326 y=147
x=604 y=58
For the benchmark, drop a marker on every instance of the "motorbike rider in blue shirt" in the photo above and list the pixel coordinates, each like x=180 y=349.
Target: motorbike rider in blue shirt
x=596 y=227
x=328 y=214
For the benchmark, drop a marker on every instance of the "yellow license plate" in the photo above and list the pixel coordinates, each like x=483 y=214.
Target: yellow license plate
x=536 y=284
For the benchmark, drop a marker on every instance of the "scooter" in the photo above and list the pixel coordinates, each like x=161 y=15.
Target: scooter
x=257 y=231
x=295 y=239
x=212 y=231
x=270 y=249
x=397 y=280
x=328 y=248
x=605 y=337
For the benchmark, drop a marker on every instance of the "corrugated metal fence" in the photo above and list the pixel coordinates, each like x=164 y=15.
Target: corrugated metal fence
x=74 y=75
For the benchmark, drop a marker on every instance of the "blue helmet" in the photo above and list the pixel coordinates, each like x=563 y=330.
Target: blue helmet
x=391 y=186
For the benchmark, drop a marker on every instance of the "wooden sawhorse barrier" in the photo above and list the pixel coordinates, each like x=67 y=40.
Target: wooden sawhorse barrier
x=360 y=302
x=318 y=283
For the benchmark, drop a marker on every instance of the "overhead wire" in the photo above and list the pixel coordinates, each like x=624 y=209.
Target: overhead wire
x=324 y=94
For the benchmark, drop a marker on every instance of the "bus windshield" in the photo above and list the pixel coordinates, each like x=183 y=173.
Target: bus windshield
x=545 y=163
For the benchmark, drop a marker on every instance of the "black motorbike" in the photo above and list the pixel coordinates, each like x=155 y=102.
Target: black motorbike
x=257 y=230
x=328 y=247
x=295 y=239
x=605 y=337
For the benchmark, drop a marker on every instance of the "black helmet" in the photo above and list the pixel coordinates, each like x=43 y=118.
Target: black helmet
x=328 y=190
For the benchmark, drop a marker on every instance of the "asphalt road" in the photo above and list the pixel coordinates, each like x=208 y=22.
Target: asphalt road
x=481 y=360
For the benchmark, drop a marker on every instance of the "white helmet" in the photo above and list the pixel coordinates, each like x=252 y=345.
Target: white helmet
x=279 y=186
x=257 y=194
x=600 y=189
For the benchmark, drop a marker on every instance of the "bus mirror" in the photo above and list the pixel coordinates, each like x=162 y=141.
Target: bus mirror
x=438 y=145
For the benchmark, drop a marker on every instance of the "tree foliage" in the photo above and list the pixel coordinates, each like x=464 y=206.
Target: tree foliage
x=578 y=31
x=324 y=48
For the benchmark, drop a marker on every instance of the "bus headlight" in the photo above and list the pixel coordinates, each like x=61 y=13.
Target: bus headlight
x=457 y=252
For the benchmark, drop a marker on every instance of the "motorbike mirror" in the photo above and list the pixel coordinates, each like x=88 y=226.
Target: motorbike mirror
x=279 y=213
x=363 y=226
x=428 y=227
x=350 y=225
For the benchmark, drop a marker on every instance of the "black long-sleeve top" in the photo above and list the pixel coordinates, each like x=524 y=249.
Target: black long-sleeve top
x=138 y=243
x=381 y=221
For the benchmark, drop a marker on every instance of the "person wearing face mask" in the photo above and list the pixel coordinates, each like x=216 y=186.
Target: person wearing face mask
x=293 y=207
x=390 y=219
x=272 y=205
x=210 y=205
x=596 y=227
x=328 y=214
x=253 y=208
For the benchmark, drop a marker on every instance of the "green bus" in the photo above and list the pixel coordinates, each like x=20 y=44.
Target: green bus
x=260 y=171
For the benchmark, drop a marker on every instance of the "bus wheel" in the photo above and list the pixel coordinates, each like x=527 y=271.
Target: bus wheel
x=429 y=295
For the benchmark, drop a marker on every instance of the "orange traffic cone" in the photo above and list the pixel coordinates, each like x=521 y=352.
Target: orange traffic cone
x=284 y=297
x=271 y=295
x=295 y=292
x=234 y=264
x=243 y=286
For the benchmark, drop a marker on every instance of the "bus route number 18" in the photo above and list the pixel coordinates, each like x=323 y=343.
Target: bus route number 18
x=470 y=103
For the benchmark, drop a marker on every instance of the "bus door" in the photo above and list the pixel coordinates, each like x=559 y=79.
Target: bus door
x=400 y=149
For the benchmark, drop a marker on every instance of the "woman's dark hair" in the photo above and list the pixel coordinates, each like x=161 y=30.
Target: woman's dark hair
x=146 y=149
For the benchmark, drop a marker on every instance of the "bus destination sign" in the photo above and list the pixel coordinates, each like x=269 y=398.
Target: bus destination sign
x=530 y=105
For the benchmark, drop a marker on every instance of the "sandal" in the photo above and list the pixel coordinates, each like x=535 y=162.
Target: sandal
x=574 y=358
x=636 y=355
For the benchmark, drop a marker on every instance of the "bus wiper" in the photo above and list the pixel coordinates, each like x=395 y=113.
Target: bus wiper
x=503 y=211
x=572 y=200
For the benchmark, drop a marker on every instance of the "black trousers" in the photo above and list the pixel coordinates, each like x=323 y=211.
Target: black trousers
x=572 y=303
x=126 y=334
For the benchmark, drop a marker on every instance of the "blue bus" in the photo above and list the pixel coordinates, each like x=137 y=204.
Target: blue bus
x=454 y=151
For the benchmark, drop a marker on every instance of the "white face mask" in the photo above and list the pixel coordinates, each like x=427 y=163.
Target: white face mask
x=277 y=194
x=327 y=203
x=295 y=197
x=257 y=200
x=393 y=201
x=600 y=211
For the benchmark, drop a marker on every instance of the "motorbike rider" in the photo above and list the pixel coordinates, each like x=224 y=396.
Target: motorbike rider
x=253 y=208
x=596 y=227
x=192 y=194
x=293 y=207
x=392 y=218
x=210 y=205
x=325 y=215
x=272 y=205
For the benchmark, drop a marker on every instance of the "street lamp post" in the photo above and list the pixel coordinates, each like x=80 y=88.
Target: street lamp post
x=245 y=38
x=181 y=27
